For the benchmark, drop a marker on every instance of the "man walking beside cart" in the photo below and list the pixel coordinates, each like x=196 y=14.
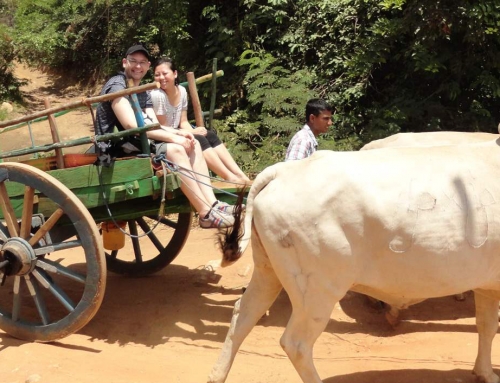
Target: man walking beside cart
x=318 y=120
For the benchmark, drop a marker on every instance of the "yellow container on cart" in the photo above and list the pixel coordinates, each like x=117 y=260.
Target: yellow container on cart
x=113 y=236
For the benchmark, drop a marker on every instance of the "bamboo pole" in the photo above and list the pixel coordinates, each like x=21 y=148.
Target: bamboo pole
x=22 y=124
x=79 y=141
x=55 y=135
x=213 y=94
x=195 y=100
x=83 y=102
x=139 y=118
x=205 y=78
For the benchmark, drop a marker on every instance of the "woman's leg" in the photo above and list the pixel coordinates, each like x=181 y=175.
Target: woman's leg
x=189 y=185
x=217 y=166
x=200 y=196
x=219 y=159
x=229 y=162
x=200 y=167
x=212 y=158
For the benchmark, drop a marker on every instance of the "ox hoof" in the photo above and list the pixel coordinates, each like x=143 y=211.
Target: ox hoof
x=460 y=297
x=375 y=303
x=486 y=378
x=392 y=319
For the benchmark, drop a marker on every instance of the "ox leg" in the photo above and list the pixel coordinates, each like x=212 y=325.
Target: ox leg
x=487 y=325
x=460 y=297
x=311 y=313
x=392 y=316
x=261 y=292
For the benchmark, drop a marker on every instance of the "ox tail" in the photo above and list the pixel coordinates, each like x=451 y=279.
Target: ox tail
x=234 y=241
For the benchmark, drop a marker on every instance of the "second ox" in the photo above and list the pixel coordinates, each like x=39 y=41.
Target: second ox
x=423 y=139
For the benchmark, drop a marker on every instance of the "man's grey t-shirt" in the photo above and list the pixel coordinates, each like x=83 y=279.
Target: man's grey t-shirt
x=105 y=116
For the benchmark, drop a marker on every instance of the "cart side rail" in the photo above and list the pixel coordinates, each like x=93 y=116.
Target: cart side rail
x=85 y=101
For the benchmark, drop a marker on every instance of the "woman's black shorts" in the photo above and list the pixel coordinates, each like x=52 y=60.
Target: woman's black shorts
x=209 y=141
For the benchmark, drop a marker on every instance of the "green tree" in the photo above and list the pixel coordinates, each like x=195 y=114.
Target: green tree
x=402 y=65
x=385 y=65
x=86 y=39
x=259 y=134
x=9 y=84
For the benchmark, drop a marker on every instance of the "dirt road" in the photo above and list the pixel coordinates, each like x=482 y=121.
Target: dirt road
x=169 y=328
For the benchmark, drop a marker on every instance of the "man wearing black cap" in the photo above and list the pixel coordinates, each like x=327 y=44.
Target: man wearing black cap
x=119 y=112
x=183 y=149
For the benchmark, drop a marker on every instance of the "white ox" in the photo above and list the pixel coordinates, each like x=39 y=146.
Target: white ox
x=400 y=225
x=427 y=139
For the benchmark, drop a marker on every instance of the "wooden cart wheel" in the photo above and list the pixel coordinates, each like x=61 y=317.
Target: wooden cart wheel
x=52 y=264
x=154 y=251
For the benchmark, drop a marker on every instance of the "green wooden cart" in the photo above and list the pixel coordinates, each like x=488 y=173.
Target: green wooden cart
x=52 y=261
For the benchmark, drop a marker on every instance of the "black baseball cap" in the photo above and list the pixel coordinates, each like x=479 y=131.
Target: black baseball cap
x=137 y=48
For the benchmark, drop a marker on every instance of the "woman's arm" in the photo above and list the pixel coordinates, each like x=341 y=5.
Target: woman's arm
x=162 y=119
x=173 y=137
x=186 y=126
x=168 y=134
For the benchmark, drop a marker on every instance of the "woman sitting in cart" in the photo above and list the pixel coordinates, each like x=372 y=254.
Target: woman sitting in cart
x=170 y=104
x=178 y=146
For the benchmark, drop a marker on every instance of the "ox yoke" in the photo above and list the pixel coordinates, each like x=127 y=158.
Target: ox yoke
x=400 y=224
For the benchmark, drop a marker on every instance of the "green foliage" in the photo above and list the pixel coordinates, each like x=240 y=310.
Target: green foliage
x=276 y=100
x=385 y=65
x=87 y=39
x=7 y=10
x=9 y=84
x=402 y=65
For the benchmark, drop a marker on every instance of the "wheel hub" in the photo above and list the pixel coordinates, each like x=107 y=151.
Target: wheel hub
x=19 y=255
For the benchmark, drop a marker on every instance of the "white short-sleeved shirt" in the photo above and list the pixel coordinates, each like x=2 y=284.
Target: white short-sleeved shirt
x=302 y=145
x=162 y=106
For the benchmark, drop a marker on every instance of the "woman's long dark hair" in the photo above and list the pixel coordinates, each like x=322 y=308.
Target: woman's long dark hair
x=169 y=62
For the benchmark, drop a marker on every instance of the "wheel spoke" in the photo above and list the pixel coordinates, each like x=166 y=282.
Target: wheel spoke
x=35 y=293
x=27 y=215
x=154 y=239
x=16 y=306
x=57 y=247
x=3 y=236
x=8 y=211
x=49 y=224
x=56 y=275
x=61 y=296
x=166 y=244
x=167 y=222
x=56 y=268
x=135 y=241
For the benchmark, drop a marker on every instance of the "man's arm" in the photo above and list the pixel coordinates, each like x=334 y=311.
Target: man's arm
x=124 y=113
